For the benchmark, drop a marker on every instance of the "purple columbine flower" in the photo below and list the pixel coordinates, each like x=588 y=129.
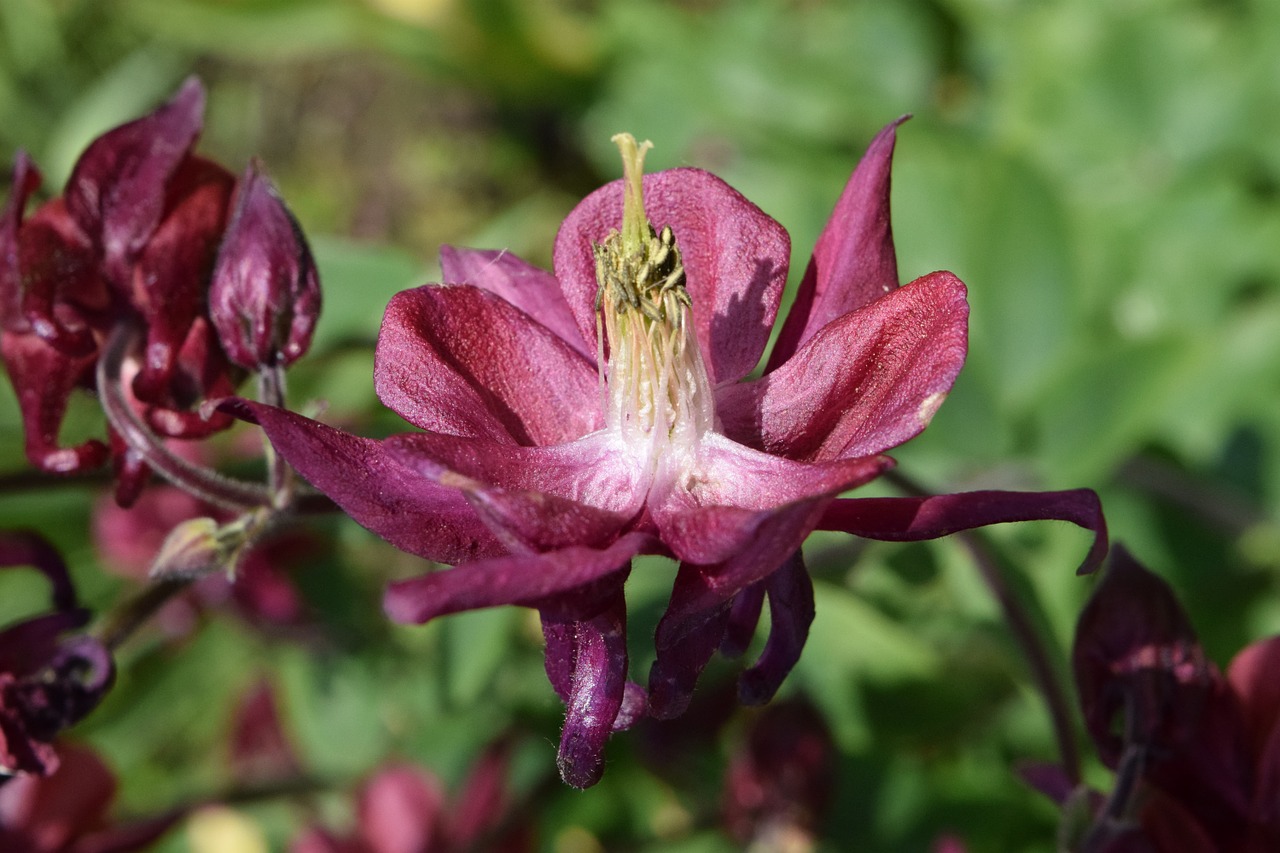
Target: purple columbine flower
x=48 y=682
x=1196 y=753
x=574 y=420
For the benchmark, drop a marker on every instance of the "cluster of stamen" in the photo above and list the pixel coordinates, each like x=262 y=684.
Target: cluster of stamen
x=657 y=387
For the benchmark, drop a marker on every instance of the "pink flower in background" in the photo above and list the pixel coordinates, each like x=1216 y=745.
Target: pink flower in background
x=67 y=812
x=572 y=421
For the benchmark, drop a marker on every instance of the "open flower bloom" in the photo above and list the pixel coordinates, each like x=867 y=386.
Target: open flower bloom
x=1197 y=753
x=571 y=421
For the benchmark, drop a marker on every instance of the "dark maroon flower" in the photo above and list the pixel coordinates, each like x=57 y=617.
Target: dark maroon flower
x=404 y=809
x=265 y=295
x=575 y=420
x=48 y=681
x=1197 y=754
x=67 y=812
x=779 y=785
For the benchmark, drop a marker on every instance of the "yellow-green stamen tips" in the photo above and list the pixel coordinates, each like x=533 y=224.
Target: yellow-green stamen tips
x=657 y=382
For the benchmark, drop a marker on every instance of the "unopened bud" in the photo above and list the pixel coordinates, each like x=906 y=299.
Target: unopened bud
x=265 y=294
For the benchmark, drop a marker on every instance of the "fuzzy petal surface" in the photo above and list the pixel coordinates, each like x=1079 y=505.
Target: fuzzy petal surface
x=735 y=261
x=533 y=580
x=866 y=382
x=372 y=486
x=461 y=360
x=531 y=289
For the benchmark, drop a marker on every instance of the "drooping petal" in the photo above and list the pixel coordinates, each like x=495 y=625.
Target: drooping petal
x=597 y=687
x=535 y=580
x=60 y=291
x=912 y=519
x=117 y=190
x=735 y=260
x=791 y=612
x=364 y=478
x=687 y=637
x=724 y=501
x=744 y=616
x=866 y=382
x=534 y=291
x=460 y=360
x=43 y=379
x=854 y=262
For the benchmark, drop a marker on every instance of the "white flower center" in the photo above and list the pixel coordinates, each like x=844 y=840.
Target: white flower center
x=658 y=397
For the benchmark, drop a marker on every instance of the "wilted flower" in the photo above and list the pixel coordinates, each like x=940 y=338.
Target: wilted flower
x=67 y=812
x=1197 y=754
x=47 y=682
x=573 y=421
x=113 y=277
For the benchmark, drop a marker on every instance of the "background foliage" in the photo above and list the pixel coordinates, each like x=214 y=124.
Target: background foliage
x=1105 y=177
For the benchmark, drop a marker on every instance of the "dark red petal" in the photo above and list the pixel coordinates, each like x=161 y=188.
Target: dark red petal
x=529 y=580
x=912 y=519
x=1253 y=675
x=483 y=800
x=264 y=296
x=259 y=748
x=735 y=260
x=117 y=190
x=866 y=382
x=854 y=262
x=687 y=637
x=26 y=180
x=169 y=281
x=791 y=613
x=373 y=487
x=460 y=360
x=534 y=291
x=43 y=379
x=61 y=292
x=597 y=686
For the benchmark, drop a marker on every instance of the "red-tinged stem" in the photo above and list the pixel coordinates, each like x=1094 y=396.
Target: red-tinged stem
x=193 y=479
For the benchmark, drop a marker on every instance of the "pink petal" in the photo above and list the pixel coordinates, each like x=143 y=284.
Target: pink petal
x=866 y=382
x=854 y=262
x=725 y=505
x=534 y=291
x=364 y=478
x=913 y=519
x=1253 y=676
x=534 y=498
x=460 y=360
x=54 y=811
x=735 y=260
x=528 y=580
x=401 y=810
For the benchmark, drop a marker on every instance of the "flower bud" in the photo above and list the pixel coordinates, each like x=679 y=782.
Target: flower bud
x=265 y=295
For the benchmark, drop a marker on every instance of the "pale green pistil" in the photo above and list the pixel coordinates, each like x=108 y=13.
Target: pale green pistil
x=658 y=391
